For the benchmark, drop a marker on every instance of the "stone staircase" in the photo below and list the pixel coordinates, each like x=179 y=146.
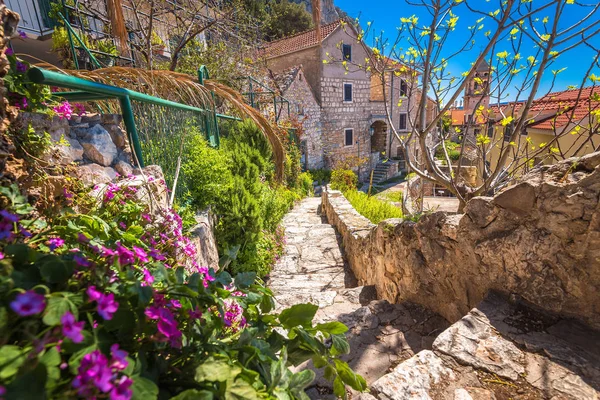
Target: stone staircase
x=381 y=172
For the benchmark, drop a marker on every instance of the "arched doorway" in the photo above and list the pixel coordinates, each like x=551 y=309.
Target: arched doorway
x=378 y=137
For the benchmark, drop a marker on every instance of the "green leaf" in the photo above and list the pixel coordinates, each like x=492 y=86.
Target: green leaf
x=143 y=389
x=300 y=314
x=338 y=388
x=20 y=253
x=339 y=345
x=333 y=327
x=215 y=370
x=11 y=357
x=123 y=320
x=56 y=308
x=54 y=270
x=240 y=390
x=51 y=357
x=29 y=386
x=193 y=394
x=244 y=280
x=301 y=380
x=349 y=377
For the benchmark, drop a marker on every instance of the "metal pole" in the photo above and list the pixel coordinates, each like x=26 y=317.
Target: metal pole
x=129 y=122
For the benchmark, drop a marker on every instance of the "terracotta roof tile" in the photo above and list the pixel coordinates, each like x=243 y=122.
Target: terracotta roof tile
x=299 y=41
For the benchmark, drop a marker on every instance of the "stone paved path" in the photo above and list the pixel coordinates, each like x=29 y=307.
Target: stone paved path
x=313 y=270
x=498 y=351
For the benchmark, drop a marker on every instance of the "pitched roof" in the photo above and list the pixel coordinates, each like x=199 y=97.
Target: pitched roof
x=299 y=41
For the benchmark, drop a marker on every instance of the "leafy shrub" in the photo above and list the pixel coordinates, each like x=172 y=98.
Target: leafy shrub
x=395 y=196
x=323 y=176
x=305 y=184
x=452 y=148
x=372 y=208
x=110 y=303
x=343 y=180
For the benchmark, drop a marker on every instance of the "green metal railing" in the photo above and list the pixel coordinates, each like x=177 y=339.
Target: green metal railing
x=159 y=130
x=255 y=96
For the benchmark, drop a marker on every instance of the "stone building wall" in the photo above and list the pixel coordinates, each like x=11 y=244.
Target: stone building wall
x=338 y=115
x=538 y=240
x=309 y=113
x=311 y=62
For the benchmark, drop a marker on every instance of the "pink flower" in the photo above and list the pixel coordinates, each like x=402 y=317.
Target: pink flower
x=140 y=254
x=93 y=294
x=55 y=243
x=121 y=390
x=119 y=357
x=64 y=110
x=93 y=373
x=125 y=255
x=1 y=255
x=148 y=278
x=72 y=329
x=28 y=303
x=79 y=109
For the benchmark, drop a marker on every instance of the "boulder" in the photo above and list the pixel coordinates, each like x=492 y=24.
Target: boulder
x=119 y=137
x=123 y=168
x=98 y=145
x=93 y=174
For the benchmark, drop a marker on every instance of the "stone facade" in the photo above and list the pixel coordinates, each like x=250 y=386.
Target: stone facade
x=294 y=87
x=538 y=240
x=364 y=114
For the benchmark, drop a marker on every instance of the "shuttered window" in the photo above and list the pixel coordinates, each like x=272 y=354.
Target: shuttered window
x=347 y=92
x=348 y=136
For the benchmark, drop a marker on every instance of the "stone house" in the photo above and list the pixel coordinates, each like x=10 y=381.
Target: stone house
x=292 y=85
x=353 y=123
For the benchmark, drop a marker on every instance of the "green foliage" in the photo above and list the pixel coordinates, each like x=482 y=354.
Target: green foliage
x=286 y=18
x=372 y=208
x=343 y=180
x=182 y=331
x=452 y=148
x=323 y=176
x=395 y=196
x=237 y=182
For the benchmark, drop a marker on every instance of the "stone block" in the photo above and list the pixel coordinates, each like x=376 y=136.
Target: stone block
x=94 y=174
x=98 y=145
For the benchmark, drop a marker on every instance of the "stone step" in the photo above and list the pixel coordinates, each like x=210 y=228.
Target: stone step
x=500 y=350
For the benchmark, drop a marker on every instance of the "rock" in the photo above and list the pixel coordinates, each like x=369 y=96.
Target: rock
x=519 y=199
x=111 y=119
x=71 y=153
x=119 y=137
x=413 y=378
x=203 y=238
x=471 y=393
x=93 y=174
x=472 y=341
x=98 y=145
x=123 y=168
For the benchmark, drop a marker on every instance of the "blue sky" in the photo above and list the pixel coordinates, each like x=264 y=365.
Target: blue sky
x=385 y=15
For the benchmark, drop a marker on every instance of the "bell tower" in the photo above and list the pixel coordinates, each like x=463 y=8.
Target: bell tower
x=477 y=91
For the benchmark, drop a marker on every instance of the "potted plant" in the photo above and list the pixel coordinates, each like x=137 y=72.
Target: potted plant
x=158 y=46
x=62 y=46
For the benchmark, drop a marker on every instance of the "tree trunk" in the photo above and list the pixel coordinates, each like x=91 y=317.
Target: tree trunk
x=117 y=23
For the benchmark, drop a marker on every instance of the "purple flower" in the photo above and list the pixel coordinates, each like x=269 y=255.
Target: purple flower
x=93 y=294
x=21 y=67
x=22 y=34
x=1 y=255
x=55 y=243
x=28 y=303
x=107 y=306
x=70 y=328
x=121 y=390
x=126 y=256
x=9 y=216
x=140 y=254
x=122 y=225
x=93 y=373
x=82 y=261
x=79 y=109
x=119 y=357
x=146 y=217
x=9 y=52
x=2 y=390
x=175 y=303
x=82 y=238
x=157 y=255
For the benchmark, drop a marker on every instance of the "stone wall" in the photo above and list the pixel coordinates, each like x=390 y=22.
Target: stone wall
x=538 y=240
x=95 y=143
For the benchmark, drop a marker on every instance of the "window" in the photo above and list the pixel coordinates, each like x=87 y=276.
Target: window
x=348 y=137
x=403 y=88
x=347 y=52
x=403 y=123
x=490 y=129
x=348 y=92
x=508 y=131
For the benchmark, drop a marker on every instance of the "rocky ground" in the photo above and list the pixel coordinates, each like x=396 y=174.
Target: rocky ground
x=500 y=350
